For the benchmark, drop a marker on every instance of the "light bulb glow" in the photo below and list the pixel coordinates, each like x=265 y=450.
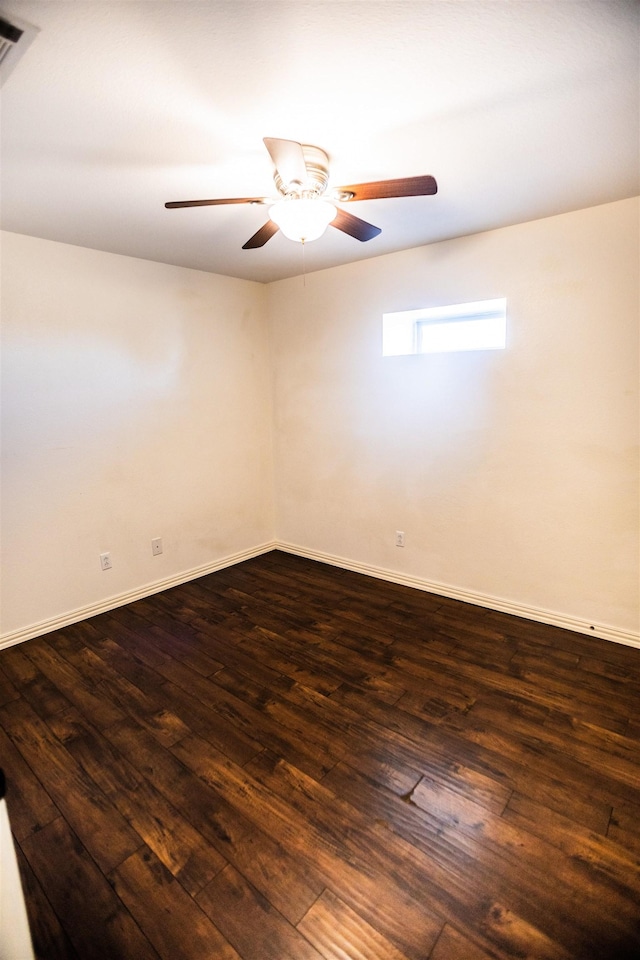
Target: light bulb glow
x=303 y=218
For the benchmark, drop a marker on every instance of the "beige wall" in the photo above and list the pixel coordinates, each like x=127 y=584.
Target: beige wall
x=133 y=407
x=142 y=400
x=513 y=474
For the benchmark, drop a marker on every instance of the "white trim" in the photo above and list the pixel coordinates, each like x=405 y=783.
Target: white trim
x=601 y=630
x=93 y=609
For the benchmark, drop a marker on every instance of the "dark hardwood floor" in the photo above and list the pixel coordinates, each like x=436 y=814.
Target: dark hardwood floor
x=287 y=760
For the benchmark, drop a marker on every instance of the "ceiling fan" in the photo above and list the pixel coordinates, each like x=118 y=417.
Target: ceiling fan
x=303 y=210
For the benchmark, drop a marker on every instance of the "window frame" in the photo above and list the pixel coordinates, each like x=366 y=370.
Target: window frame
x=411 y=327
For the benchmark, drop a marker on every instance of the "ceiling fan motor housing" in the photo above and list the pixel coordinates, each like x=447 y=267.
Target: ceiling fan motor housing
x=317 y=164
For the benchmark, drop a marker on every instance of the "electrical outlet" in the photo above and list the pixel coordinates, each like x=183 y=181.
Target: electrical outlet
x=399 y=538
x=105 y=561
x=156 y=546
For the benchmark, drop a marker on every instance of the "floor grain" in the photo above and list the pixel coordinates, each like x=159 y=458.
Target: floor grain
x=288 y=760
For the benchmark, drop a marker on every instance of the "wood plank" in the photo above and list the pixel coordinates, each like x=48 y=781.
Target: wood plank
x=30 y=806
x=43 y=695
x=519 y=938
x=81 y=657
x=149 y=711
x=157 y=646
x=421 y=744
x=518 y=748
x=68 y=724
x=291 y=883
x=624 y=826
x=449 y=829
x=238 y=714
x=338 y=933
x=122 y=656
x=250 y=922
x=289 y=659
x=207 y=810
x=48 y=937
x=487 y=792
x=8 y=691
x=446 y=881
x=325 y=737
x=453 y=945
x=193 y=696
x=104 y=832
x=581 y=810
x=97 y=923
x=609 y=859
x=17 y=666
x=610 y=755
x=229 y=653
x=166 y=914
x=323 y=840
x=178 y=845
x=617 y=672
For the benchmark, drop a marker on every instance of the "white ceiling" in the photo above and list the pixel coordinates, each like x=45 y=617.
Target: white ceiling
x=520 y=109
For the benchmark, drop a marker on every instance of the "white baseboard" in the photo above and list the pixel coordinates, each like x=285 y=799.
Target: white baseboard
x=550 y=617
x=119 y=600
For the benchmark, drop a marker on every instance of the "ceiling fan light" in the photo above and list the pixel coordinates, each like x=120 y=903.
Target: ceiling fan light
x=301 y=218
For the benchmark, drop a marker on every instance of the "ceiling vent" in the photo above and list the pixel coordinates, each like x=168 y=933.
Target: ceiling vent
x=15 y=37
x=8 y=36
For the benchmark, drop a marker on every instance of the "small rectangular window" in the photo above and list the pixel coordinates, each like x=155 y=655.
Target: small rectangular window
x=481 y=325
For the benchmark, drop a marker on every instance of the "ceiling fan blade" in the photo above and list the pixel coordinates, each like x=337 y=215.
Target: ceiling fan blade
x=386 y=189
x=260 y=238
x=213 y=203
x=354 y=226
x=288 y=159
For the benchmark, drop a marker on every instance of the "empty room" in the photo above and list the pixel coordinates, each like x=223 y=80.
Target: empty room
x=320 y=518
